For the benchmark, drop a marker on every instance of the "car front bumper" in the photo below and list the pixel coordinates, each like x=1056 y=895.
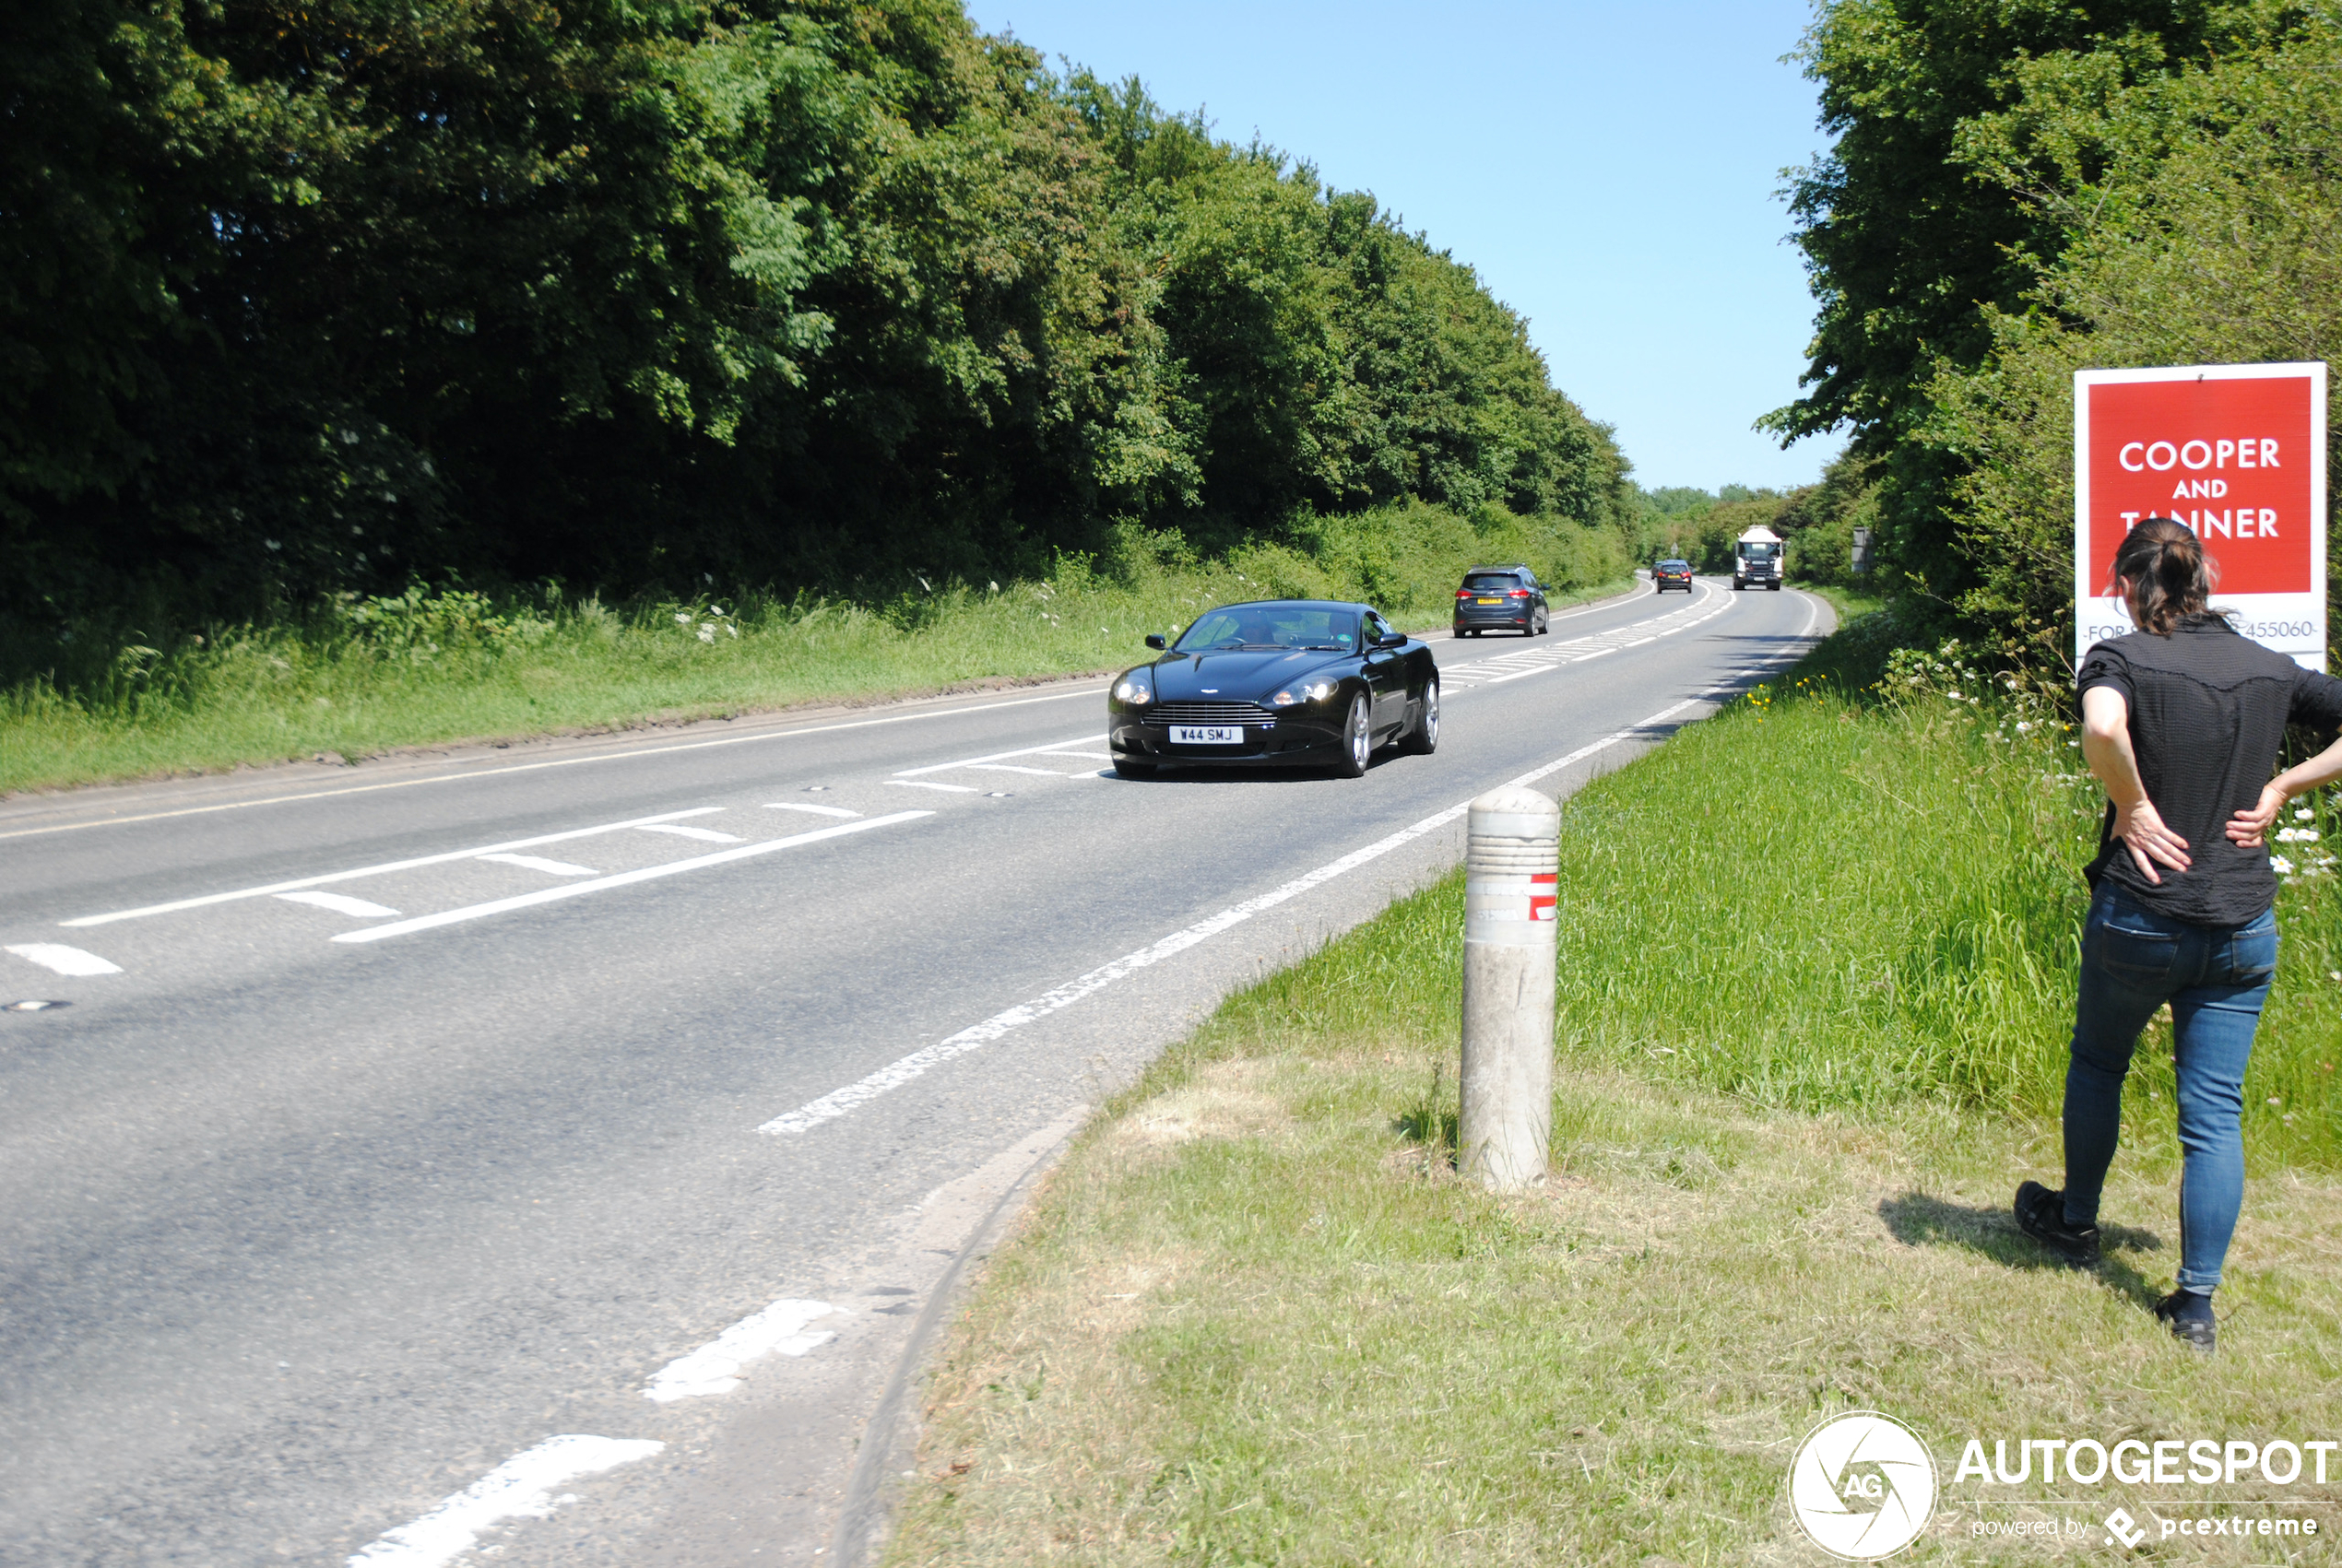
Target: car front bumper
x=1289 y=741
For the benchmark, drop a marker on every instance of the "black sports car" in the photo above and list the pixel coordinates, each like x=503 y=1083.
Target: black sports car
x=1276 y=683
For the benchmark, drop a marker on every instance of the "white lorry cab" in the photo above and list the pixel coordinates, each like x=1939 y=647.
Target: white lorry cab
x=1758 y=559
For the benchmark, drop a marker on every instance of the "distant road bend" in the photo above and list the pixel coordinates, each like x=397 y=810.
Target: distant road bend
x=554 y=1149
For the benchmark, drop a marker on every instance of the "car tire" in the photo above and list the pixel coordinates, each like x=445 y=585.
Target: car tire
x=1133 y=770
x=1774 y=586
x=1357 y=740
x=1424 y=739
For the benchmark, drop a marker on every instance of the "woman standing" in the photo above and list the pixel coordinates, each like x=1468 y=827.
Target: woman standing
x=2181 y=721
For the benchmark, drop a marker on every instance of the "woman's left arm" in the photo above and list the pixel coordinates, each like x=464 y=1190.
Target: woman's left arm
x=2247 y=829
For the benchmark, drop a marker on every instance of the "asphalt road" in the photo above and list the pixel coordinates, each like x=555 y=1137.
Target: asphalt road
x=549 y=1151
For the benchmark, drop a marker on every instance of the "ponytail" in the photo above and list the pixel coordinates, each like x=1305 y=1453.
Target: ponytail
x=2166 y=576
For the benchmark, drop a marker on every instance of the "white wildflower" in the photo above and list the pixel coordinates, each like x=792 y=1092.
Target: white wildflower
x=2024 y=727
x=2297 y=835
x=2281 y=865
x=682 y=619
x=707 y=633
x=2303 y=814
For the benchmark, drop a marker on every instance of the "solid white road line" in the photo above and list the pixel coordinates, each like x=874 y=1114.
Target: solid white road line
x=930 y=784
x=520 y=1487
x=556 y=763
x=62 y=960
x=340 y=903
x=538 y=862
x=896 y=1074
x=715 y=1367
x=817 y=810
x=704 y=835
x=1085 y=756
x=476 y=853
x=1001 y=756
x=622 y=879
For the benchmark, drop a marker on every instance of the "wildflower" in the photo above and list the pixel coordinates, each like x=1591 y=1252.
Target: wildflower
x=2302 y=814
x=2297 y=835
x=707 y=633
x=1954 y=696
x=2281 y=865
x=2024 y=727
x=683 y=621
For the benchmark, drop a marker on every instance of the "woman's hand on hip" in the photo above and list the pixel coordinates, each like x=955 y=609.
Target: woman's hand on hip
x=2141 y=829
x=2247 y=829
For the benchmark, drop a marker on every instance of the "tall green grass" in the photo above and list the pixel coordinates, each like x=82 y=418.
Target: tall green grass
x=1815 y=902
x=362 y=675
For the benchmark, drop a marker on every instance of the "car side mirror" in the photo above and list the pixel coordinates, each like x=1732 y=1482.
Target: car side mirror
x=1391 y=639
x=1154 y=641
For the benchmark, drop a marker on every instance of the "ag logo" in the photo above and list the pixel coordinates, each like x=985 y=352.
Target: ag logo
x=1863 y=1486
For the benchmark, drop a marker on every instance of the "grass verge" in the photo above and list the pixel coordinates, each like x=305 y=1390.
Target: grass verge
x=363 y=676
x=1818 y=963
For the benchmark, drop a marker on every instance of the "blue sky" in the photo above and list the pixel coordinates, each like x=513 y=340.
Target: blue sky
x=1609 y=169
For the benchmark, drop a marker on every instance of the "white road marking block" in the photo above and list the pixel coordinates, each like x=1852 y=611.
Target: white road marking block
x=520 y=1487
x=715 y=1367
x=538 y=862
x=817 y=810
x=56 y=956
x=1001 y=756
x=384 y=868
x=1086 y=756
x=1012 y=768
x=896 y=1074
x=620 y=879
x=927 y=784
x=706 y=835
x=340 y=903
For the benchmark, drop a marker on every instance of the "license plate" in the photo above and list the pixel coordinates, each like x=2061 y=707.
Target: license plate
x=1488 y=601
x=1207 y=735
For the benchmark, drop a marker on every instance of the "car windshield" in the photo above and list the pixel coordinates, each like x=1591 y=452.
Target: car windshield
x=1674 y=566
x=1272 y=627
x=1491 y=582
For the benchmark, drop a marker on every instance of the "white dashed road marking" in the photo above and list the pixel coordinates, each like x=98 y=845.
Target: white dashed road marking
x=622 y=879
x=1003 y=755
x=706 y=835
x=62 y=960
x=340 y=903
x=715 y=1367
x=478 y=852
x=816 y=810
x=930 y=784
x=520 y=1487
x=538 y=862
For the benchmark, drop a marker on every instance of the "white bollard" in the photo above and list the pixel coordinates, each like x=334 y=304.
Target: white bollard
x=1511 y=858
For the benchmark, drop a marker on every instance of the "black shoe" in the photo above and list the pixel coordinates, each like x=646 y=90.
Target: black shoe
x=2040 y=1214
x=2190 y=1315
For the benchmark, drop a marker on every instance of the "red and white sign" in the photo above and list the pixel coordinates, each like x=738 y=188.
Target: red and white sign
x=2235 y=452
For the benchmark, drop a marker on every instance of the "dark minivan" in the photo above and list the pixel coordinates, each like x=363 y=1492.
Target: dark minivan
x=1505 y=598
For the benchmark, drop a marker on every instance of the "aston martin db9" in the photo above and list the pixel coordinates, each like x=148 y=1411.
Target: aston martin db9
x=1277 y=683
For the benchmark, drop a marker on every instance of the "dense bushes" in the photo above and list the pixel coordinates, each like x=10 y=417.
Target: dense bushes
x=2018 y=191
x=298 y=299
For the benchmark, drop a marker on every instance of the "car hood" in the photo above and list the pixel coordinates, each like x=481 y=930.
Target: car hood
x=1235 y=677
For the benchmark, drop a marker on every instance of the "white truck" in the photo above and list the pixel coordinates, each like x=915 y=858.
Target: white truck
x=1758 y=559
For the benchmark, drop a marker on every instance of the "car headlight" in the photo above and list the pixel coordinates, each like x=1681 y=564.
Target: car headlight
x=1134 y=690
x=1309 y=691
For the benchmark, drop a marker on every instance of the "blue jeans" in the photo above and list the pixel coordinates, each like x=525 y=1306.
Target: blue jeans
x=2216 y=978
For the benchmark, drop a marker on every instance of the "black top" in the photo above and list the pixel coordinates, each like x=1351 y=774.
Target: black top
x=2207 y=713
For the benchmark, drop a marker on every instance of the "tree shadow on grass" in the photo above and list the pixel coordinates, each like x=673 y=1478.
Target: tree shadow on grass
x=1915 y=1219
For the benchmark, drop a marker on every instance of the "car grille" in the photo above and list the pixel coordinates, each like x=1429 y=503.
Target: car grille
x=1208 y=713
